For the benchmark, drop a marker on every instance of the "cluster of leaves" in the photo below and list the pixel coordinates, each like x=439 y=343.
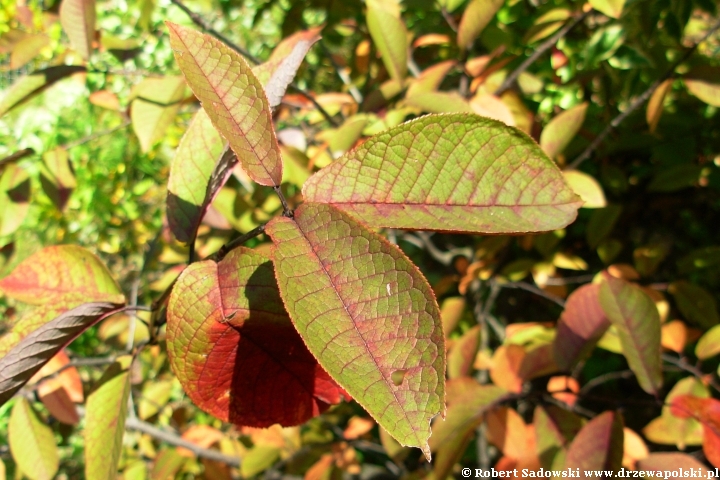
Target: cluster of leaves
x=319 y=347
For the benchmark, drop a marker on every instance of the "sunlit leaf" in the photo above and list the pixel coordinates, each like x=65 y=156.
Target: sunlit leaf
x=558 y=134
x=59 y=273
x=78 y=20
x=547 y=24
x=32 y=443
x=232 y=346
x=586 y=187
x=599 y=445
x=709 y=344
x=439 y=102
x=655 y=104
x=60 y=391
x=389 y=36
x=258 y=459
x=233 y=98
x=190 y=171
x=581 y=325
x=28 y=86
x=105 y=99
x=695 y=303
x=507 y=430
x=462 y=353
x=430 y=78
x=611 y=8
x=39 y=346
x=707 y=412
x=451 y=310
x=27 y=49
x=704 y=83
x=668 y=429
x=475 y=18
x=672 y=461
x=554 y=429
x=366 y=313
x=156 y=102
x=279 y=70
x=106 y=411
x=56 y=177
x=167 y=464
x=637 y=320
x=14 y=198
x=153 y=398
x=491 y=106
x=460 y=173
x=634 y=449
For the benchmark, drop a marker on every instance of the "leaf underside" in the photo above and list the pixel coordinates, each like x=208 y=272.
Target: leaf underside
x=235 y=350
x=367 y=314
x=455 y=172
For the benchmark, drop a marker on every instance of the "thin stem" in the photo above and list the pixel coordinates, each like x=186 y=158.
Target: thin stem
x=236 y=242
x=287 y=212
x=14 y=157
x=541 y=49
x=684 y=365
x=75 y=362
x=536 y=290
x=639 y=101
x=93 y=136
x=608 y=377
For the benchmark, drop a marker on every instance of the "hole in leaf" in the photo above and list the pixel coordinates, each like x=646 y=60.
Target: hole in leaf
x=398 y=376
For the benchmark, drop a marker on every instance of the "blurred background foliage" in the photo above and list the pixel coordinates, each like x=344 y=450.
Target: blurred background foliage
x=76 y=166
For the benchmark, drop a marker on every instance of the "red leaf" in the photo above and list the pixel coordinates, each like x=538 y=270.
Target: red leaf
x=599 y=445
x=235 y=350
x=707 y=412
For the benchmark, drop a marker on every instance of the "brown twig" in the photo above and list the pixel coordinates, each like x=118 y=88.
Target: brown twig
x=541 y=49
x=536 y=290
x=639 y=101
x=93 y=136
x=14 y=157
x=699 y=374
x=236 y=242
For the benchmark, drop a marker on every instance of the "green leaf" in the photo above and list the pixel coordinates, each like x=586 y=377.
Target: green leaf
x=611 y=8
x=167 y=464
x=586 y=187
x=389 y=35
x=430 y=78
x=233 y=98
x=32 y=443
x=153 y=398
x=14 y=198
x=439 y=102
x=367 y=314
x=77 y=18
x=636 y=318
x=27 y=49
x=106 y=411
x=36 y=348
x=667 y=429
x=61 y=273
x=258 y=459
x=709 y=344
x=28 y=86
x=602 y=221
x=460 y=173
x=190 y=172
x=695 y=303
x=558 y=134
x=671 y=462
x=476 y=17
x=156 y=102
x=599 y=445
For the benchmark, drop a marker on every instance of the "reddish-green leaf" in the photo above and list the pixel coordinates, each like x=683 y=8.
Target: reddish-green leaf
x=707 y=412
x=233 y=347
x=106 y=411
x=580 y=327
x=367 y=314
x=668 y=429
x=462 y=353
x=672 y=461
x=233 y=98
x=695 y=303
x=476 y=17
x=560 y=131
x=14 y=198
x=61 y=273
x=599 y=445
x=156 y=102
x=554 y=429
x=190 y=172
x=78 y=20
x=460 y=173
x=32 y=443
x=389 y=35
x=430 y=78
x=637 y=320
x=278 y=72
x=27 y=49
x=28 y=86
x=36 y=348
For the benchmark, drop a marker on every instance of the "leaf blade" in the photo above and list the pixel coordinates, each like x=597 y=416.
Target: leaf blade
x=77 y=18
x=32 y=443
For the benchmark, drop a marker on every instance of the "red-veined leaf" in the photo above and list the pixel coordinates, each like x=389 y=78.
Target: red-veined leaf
x=32 y=443
x=598 y=445
x=558 y=134
x=155 y=103
x=39 y=346
x=233 y=98
x=14 y=198
x=367 y=314
x=106 y=411
x=581 y=325
x=233 y=347
x=707 y=412
x=28 y=86
x=77 y=18
x=475 y=18
x=460 y=173
x=389 y=35
x=61 y=273
x=637 y=320
x=671 y=461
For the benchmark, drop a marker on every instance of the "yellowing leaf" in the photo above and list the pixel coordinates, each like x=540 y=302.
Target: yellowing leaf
x=491 y=106
x=349 y=292
x=558 y=134
x=655 y=105
x=32 y=443
x=27 y=49
x=78 y=20
x=704 y=83
x=460 y=173
x=153 y=110
x=611 y=8
x=451 y=311
x=57 y=177
x=462 y=353
x=390 y=37
x=105 y=416
x=28 y=86
x=586 y=187
x=439 y=102
x=14 y=198
x=430 y=78
x=233 y=98
x=154 y=397
x=709 y=344
x=475 y=18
